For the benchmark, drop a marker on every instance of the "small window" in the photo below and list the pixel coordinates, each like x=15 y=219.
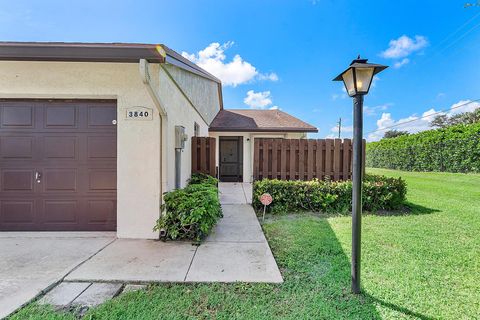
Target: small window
x=196 y=129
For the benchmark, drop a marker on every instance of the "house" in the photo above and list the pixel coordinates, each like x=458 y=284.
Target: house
x=92 y=134
x=235 y=131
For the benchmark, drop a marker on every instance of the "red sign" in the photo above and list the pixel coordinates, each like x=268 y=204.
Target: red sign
x=266 y=199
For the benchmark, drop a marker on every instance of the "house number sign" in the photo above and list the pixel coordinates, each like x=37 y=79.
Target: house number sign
x=139 y=113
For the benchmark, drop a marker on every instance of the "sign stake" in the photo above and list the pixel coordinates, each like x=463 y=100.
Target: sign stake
x=265 y=199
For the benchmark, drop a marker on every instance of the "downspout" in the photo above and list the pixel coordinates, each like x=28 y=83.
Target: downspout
x=146 y=79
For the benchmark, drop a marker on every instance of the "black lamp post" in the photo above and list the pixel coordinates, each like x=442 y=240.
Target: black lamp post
x=357 y=80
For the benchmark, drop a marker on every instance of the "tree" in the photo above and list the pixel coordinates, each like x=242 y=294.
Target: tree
x=466 y=117
x=394 y=133
x=440 y=121
x=443 y=120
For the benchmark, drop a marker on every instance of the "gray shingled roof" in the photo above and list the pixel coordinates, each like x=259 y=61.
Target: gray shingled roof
x=245 y=120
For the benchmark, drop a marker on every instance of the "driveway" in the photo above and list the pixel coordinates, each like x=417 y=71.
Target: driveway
x=32 y=262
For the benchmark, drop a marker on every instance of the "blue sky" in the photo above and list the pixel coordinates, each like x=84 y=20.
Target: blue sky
x=285 y=53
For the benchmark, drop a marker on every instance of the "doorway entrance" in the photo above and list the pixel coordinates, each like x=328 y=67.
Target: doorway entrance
x=231 y=159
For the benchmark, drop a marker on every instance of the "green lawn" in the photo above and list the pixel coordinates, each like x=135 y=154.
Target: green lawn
x=422 y=265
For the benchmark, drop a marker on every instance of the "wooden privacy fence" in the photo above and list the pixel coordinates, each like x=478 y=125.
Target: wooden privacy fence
x=303 y=159
x=203 y=155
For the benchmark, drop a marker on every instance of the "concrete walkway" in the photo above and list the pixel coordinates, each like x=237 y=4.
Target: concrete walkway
x=235 y=251
x=33 y=262
x=235 y=193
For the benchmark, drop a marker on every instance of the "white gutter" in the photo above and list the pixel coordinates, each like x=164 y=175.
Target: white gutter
x=144 y=73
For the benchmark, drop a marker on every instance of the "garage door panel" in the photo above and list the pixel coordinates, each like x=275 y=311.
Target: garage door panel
x=101 y=211
x=60 y=148
x=61 y=116
x=17 y=117
x=60 y=211
x=101 y=116
x=60 y=180
x=17 y=211
x=73 y=145
x=102 y=180
x=17 y=180
x=12 y=147
x=101 y=147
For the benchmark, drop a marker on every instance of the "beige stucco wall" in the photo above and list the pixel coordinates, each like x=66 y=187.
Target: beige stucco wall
x=180 y=113
x=248 y=141
x=138 y=142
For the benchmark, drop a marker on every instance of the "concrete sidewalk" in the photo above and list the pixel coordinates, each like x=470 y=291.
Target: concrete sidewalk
x=236 y=251
x=33 y=262
x=235 y=192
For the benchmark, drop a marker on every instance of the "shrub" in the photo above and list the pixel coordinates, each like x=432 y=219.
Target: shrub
x=190 y=213
x=379 y=193
x=197 y=178
x=452 y=149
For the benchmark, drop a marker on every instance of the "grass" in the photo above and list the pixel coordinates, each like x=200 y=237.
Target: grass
x=423 y=265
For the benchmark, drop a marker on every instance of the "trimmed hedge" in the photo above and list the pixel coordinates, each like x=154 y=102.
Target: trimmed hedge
x=452 y=149
x=379 y=193
x=191 y=213
x=198 y=178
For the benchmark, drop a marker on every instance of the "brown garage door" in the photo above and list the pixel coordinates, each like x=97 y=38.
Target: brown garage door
x=58 y=165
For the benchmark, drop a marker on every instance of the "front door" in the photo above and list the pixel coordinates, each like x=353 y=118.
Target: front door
x=231 y=155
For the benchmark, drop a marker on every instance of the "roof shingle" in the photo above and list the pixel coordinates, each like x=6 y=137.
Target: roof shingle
x=245 y=120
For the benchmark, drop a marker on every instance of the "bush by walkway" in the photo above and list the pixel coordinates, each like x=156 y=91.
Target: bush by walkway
x=191 y=213
x=379 y=193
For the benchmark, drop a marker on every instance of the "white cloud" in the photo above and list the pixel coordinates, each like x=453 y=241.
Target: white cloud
x=343 y=95
x=275 y=108
x=268 y=76
x=416 y=123
x=371 y=111
x=404 y=46
x=401 y=63
x=344 y=129
x=232 y=73
x=258 y=100
x=374 y=82
x=410 y=124
x=346 y=132
x=463 y=106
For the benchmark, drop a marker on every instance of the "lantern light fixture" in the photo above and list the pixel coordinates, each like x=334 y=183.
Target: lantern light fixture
x=358 y=77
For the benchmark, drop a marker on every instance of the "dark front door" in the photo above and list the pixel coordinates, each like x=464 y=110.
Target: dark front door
x=231 y=155
x=58 y=165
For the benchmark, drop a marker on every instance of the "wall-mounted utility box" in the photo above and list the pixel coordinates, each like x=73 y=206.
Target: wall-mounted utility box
x=180 y=137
